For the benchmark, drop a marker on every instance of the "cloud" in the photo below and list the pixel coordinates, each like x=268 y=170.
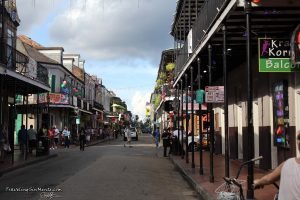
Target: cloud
x=120 y=40
x=139 y=100
x=115 y=29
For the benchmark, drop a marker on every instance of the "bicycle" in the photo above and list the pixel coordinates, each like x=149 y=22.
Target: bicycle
x=232 y=188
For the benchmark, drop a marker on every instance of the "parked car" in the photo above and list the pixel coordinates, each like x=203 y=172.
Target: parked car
x=133 y=133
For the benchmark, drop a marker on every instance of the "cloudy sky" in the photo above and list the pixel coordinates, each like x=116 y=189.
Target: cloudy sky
x=120 y=40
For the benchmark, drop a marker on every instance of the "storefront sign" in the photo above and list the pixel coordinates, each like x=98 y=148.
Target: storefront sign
x=274 y=55
x=214 y=94
x=281 y=114
x=57 y=98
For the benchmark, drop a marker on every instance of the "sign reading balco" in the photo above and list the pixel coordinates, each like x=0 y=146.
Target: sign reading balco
x=274 y=55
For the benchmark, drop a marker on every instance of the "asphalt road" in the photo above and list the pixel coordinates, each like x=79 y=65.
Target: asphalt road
x=108 y=171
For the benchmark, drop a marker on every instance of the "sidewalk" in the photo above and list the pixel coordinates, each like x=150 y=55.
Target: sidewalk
x=19 y=161
x=202 y=184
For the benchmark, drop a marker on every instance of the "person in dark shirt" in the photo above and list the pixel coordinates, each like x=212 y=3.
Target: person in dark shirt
x=23 y=139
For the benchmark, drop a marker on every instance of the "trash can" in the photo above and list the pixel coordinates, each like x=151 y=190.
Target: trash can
x=42 y=148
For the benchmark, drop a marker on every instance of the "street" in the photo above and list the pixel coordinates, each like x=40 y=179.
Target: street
x=105 y=171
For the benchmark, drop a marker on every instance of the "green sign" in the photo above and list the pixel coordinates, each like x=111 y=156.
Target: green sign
x=200 y=96
x=274 y=55
x=77 y=120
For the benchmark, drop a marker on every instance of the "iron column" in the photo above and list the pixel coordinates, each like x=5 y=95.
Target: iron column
x=186 y=120
x=225 y=101
x=211 y=132
x=200 y=119
x=192 y=118
x=250 y=192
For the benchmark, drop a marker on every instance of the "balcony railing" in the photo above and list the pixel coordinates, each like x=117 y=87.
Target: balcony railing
x=206 y=18
x=16 y=61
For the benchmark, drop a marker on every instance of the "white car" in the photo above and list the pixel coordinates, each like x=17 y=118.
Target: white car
x=133 y=134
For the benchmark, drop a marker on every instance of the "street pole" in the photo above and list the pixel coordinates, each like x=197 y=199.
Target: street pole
x=225 y=101
x=192 y=118
x=211 y=118
x=3 y=33
x=181 y=127
x=200 y=119
x=186 y=120
x=178 y=118
x=250 y=192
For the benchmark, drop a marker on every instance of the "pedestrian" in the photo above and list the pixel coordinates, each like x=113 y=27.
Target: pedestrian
x=56 y=136
x=128 y=137
x=32 y=138
x=51 y=137
x=66 y=136
x=82 y=135
x=157 y=137
x=3 y=141
x=289 y=174
x=23 y=139
x=166 y=140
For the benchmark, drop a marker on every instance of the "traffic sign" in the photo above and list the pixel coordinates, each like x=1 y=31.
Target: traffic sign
x=214 y=94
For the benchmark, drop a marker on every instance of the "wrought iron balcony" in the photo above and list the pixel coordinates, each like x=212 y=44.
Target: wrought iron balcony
x=206 y=17
x=14 y=60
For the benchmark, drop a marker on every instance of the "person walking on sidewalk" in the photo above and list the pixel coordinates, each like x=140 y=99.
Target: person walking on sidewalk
x=66 y=135
x=23 y=139
x=3 y=141
x=82 y=135
x=32 y=138
x=289 y=174
x=166 y=135
x=157 y=137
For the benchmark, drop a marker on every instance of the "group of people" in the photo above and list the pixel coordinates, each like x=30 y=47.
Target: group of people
x=170 y=139
x=31 y=139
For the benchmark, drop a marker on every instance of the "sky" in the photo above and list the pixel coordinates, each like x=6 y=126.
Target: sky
x=120 y=40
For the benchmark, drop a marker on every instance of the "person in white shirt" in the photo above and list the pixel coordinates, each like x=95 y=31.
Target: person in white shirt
x=56 y=136
x=289 y=174
x=128 y=136
x=66 y=135
x=32 y=138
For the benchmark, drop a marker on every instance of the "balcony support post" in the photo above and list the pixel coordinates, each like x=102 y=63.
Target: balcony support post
x=225 y=100
x=186 y=119
x=250 y=138
x=200 y=119
x=181 y=127
x=211 y=118
x=192 y=118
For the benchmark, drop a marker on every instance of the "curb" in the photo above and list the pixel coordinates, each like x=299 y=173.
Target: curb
x=15 y=167
x=200 y=190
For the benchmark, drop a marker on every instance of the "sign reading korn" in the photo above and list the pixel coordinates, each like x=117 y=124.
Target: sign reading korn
x=274 y=55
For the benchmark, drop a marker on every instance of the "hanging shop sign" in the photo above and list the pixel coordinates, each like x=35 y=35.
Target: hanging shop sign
x=274 y=55
x=200 y=96
x=295 y=46
x=214 y=94
x=281 y=114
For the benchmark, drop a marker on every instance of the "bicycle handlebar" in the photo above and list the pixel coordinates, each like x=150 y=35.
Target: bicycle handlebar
x=257 y=158
x=244 y=163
